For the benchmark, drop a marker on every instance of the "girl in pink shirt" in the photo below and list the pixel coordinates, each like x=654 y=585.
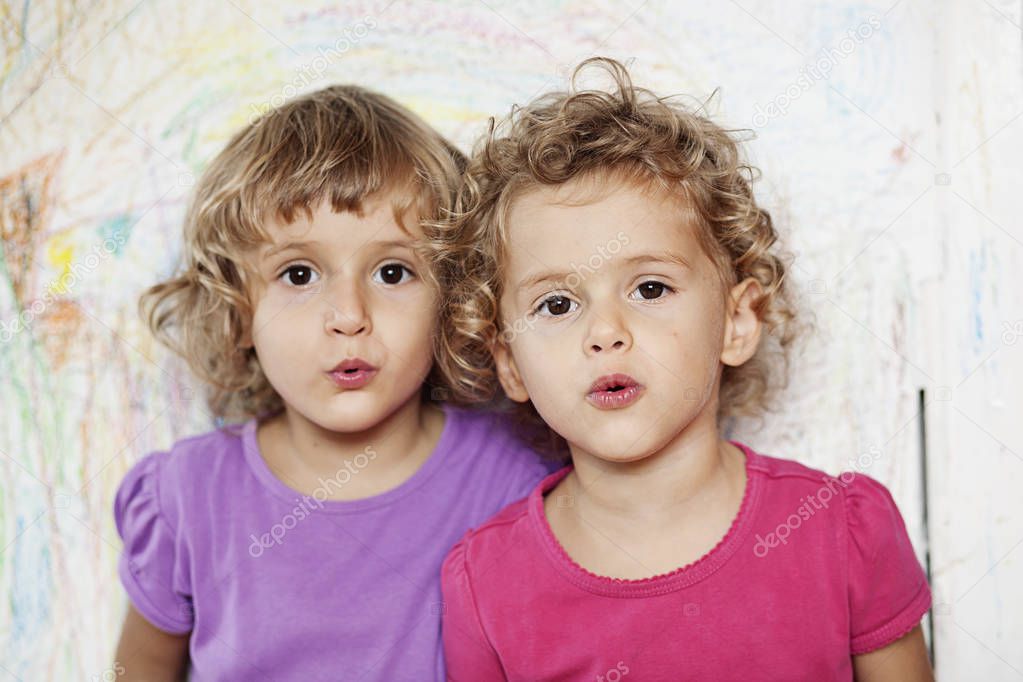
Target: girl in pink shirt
x=610 y=268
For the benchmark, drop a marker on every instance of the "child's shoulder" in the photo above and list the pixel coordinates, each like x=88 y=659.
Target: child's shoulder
x=480 y=422
x=781 y=468
x=502 y=524
x=489 y=435
x=491 y=463
x=492 y=539
x=203 y=455
x=512 y=527
x=188 y=467
x=861 y=493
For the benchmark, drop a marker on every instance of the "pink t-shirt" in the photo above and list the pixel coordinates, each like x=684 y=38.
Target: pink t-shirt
x=813 y=570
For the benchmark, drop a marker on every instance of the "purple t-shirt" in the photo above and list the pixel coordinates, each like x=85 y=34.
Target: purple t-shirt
x=279 y=586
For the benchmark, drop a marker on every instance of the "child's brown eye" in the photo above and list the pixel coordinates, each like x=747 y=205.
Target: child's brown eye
x=652 y=290
x=392 y=273
x=299 y=275
x=555 y=305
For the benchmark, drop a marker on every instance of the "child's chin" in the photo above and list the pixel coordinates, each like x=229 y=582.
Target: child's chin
x=614 y=450
x=621 y=458
x=351 y=415
x=615 y=442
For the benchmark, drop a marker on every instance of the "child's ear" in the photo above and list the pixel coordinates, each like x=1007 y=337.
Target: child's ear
x=508 y=373
x=742 y=326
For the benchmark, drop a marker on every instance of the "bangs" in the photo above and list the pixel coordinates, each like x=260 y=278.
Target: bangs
x=342 y=146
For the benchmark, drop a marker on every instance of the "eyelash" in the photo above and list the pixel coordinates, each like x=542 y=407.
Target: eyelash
x=292 y=268
x=300 y=266
x=665 y=287
x=538 y=308
x=388 y=265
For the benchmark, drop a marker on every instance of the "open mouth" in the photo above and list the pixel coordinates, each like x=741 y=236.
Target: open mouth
x=352 y=373
x=614 y=391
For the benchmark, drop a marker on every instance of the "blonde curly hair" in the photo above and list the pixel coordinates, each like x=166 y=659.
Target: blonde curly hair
x=630 y=132
x=342 y=144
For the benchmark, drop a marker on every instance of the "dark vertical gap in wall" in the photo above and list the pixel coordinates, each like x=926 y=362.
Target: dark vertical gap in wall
x=922 y=421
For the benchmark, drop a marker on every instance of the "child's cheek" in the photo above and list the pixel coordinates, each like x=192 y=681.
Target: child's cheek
x=305 y=297
x=286 y=307
x=417 y=297
x=548 y=353
x=555 y=331
x=404 y=321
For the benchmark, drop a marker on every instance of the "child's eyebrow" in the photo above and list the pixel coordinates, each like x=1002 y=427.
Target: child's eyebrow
x=663 y=257
x=313 y=244
x=392 y=243
x=539 y=277
x=560 y=276
x=289 y=245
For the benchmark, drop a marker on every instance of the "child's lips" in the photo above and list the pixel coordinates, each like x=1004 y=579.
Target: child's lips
x=614 y=391
x=352 y=373
x=353 y=379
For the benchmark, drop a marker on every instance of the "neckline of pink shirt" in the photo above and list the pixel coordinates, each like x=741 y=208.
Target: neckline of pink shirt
x=663 y=583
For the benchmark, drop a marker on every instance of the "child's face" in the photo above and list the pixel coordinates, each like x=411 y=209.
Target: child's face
x=352 y=290
x=619 y=285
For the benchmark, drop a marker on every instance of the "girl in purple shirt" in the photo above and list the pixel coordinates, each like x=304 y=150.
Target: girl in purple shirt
x=305 y=541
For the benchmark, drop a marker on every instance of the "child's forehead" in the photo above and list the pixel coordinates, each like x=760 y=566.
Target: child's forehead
x=555 y=231
x=568 y=215
x=379 y=219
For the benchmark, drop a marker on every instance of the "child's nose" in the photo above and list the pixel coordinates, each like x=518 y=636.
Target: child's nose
x=613 y=345
x=339 y=322
x=607 y=333
x=346 y=316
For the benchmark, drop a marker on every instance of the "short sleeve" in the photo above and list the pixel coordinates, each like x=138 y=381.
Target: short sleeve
x=468 y=654
x=152 y=566
x=888 y=591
